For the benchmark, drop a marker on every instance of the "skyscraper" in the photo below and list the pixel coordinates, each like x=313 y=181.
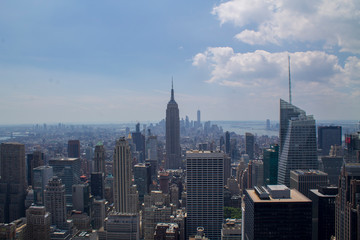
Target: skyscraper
x=249 y=145
x=122 y=176
x=347 y=203
x=34 y=160
x=198 y=120
x=271 y=162
x=12 y=181
x=327 y=136
x=99 y=158
x=276 y=213
x=38 y=222
x=41 y=174
x=227 y=142
x=304 y=180
x=173 y=151
x=55 y=201
x=287 y=112
x=298 y=143
x=205 y=195
x=73 y=148
x=139 y=140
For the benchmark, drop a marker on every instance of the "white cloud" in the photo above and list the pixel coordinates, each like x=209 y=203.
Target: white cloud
x=336 y=23
x=313 y=72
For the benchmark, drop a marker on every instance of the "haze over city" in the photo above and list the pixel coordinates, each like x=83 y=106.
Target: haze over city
x=95 y=61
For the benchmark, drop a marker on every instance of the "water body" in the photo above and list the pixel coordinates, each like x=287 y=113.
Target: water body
x=255 y=127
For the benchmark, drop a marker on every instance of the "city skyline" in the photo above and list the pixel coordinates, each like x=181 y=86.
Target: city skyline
x=113 y=62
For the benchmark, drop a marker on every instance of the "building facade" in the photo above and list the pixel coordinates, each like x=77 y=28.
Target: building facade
x=12 y=182
x=172 y=134
x=205 y=194
x=304 y=180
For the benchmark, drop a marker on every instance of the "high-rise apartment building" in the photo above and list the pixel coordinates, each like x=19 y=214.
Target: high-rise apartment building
x=55 y=201
x=122 y=176
x=74 y=149
x=347 y=203
x=12 y=182
x=38 y=222
x=99 y=158
x=276 y=212
x=304 y=180
x=298 y=143
x=42 y=176
x=173 y=150
x=249 y=145
x=328 y=136
x=205 y=194
x=271 y=162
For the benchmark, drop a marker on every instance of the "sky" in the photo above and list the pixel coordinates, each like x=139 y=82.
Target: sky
x=113 y=61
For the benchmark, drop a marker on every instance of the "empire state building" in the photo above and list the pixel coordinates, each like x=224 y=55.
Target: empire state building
x=173 y=154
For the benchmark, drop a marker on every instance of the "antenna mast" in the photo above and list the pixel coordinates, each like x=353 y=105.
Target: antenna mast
x=289 y=79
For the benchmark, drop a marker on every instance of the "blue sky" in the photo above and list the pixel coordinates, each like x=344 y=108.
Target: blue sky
x=112 y=61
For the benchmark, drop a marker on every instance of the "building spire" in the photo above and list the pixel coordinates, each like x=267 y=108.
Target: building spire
x=289 y=80
x=172 y=89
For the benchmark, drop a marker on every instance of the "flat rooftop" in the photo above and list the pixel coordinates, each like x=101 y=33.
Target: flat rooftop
x=295 y=196
x=308 y=172
x=204 y=154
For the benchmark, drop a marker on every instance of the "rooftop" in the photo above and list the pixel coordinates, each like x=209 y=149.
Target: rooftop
x=308 y=172
x=295 y=196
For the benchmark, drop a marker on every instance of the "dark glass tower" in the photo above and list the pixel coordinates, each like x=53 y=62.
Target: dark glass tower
x=173 y=154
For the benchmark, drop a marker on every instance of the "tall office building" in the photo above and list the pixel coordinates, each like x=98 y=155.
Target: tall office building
x=142 y=178
x=271 y=162
x=98 y=213
x=287 y=112
x=249 y=145
x=139 y=140
x=42 y=176
x=227 y=143
x=33 y=160
x=122 y=176
x=68 y=169
x=151 y=148
x=276 y=212
x=12 y=182
x=323 y=205
x=99 y=158
x=328 y=136
x=81 y=197
x=55 y=201
x=173 y=150
x=205 y=194
x=73 y=148
x=298 y=144
x=97 y=184
x=38 y=222
x=352 y=148
x=332 y=166
x=198 y=120
x=255 y=173
x=347 y=203
x=304 y=180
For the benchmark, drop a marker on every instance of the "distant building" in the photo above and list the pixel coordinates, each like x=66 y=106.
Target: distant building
x=139 y=140
x=122 y=177
x=97 y=184
x=227 y=143
x=151 y=146
x=255 y=173
x=172 y=135
x=328 y=136
x=205 y=195
x=323 y=212
x=12 y=182
x=81 y=197
x=276 y=213
x=304 y=180
x=38 y=222
x=33 y=160
x=298 y=149
x=271 y=162
x=332 y=166
x=41 y=176
x=68 y=169
x=55 y=201
x=99 y=159
x=347 y=203
x=164 y=182
x=74 y=149
x=249 y=145
x=352 y=148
